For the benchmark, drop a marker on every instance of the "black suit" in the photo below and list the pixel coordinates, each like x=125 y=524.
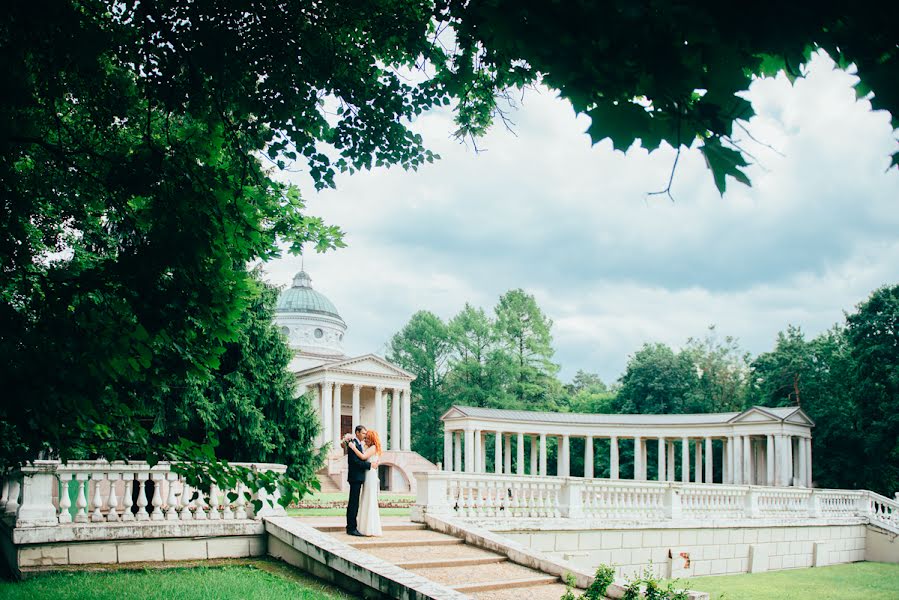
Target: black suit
x=356 y=476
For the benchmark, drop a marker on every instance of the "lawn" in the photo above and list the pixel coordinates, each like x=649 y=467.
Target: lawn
x=252 y=580
x=858 y=581
x=319 y=504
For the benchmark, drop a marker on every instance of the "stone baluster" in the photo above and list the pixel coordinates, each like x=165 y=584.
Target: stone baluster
x=157 y=497
x=112 y=500
x=214 y=503
x=171 y=510
x=97 y=500
x=186 y=502
x=240 y=503
x=142 y=514
x=12 y=498
x=200 y=504
x=81 y=500
x=4 y=493
x=227 y=513
x=65 y=502
x=127 y=498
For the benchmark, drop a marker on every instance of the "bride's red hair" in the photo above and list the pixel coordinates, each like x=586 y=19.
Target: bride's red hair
x=373 y=439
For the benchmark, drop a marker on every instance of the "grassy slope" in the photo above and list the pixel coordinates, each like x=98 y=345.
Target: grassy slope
x=267 y=582
x=859 y=581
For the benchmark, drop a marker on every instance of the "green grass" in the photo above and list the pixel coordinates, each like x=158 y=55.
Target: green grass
x=263 y=580
x=858 y=581
x=320 y=498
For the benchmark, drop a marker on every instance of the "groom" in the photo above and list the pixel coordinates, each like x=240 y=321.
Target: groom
x=355 y=475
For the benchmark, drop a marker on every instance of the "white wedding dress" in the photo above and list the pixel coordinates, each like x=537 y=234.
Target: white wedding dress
x=369 y=520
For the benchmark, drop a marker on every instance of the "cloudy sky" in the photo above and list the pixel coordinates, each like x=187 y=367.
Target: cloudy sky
x=572 y=224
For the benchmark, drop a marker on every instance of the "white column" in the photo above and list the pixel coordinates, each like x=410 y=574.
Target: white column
x=543 y=454
x=381 y=413
x=534 y=465
x=588 y=457
x=447 y=450
x=613 y=457
x=747 y=460
x=808 y=462
x=479 y=460
x=709 y=463
x=327 y=411
x=697 y=461
x=469 y=451
x=519 y=454
x=563 y=466
x=482 y=449
x=803 y=464
x=319 y=406
x=498 y=453
x=736 y=457
x=507 y=457
x=406 y=412
x=638 y=459
x=661 y=460
x=685 y=460
x=457 y=451
x=670 y=471
x=395 y=420
x=791 y=471
x=769 y=460
x=356 y=418
x=338 y=397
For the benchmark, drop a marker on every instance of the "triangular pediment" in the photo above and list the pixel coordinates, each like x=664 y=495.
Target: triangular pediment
x=756 y=414
x=799 y=417
x=453 y=413
x=370 y=364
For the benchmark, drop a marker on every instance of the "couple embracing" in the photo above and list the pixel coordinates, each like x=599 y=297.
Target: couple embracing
x=362 y=517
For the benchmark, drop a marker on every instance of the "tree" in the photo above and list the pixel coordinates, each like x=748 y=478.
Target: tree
x=662 y=71
x=523 y=332
x=657 y=380
x=476 y=370
x=873 y=333
x=723 y=372
x=423 y=348
x=133 y=137
x=247 y=408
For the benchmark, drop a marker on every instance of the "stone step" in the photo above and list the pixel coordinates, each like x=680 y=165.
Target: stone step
x=506 y=584
x=430 y=553
x=451 y=562
x=379 y=543
x=488 y=576
x=550 y=591
x=336 y=528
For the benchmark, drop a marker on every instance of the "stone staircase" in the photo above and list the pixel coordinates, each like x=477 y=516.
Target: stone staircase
x=445 y=559
x=327 y=483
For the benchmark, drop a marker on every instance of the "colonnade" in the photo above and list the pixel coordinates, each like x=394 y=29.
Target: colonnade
x=329 y=402
x=778 y=459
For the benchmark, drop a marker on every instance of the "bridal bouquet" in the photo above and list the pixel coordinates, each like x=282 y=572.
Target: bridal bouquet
x=345 y=440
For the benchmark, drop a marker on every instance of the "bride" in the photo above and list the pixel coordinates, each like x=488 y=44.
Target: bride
x=369 y=518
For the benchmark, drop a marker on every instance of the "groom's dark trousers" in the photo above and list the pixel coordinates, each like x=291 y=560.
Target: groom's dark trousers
x=355 y=475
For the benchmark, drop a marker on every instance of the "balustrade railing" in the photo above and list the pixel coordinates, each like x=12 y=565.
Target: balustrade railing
x=479 y=495
x=48 y=493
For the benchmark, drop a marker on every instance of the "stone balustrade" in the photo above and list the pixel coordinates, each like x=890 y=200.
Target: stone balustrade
x=49 y=493
x=486 y=496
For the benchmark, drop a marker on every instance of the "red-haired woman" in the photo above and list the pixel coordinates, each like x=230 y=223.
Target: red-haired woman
x=369 y=521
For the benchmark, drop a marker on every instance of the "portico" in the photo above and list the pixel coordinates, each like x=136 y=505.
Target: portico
x=347 y=391
x=758 y=446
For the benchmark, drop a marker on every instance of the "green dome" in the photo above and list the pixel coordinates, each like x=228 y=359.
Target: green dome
x=301 y=298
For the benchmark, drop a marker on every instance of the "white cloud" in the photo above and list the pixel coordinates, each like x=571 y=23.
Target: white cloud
x=544 y=210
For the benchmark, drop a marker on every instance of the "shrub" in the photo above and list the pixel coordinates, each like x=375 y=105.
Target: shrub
x=604 y=577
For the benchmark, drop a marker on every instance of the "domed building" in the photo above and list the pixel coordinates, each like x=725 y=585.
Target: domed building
x=348 y=391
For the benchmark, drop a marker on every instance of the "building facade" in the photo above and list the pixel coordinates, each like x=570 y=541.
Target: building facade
x=348 y=390
x=759 y=446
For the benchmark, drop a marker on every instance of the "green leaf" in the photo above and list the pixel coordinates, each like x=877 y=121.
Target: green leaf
x=723 y=162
